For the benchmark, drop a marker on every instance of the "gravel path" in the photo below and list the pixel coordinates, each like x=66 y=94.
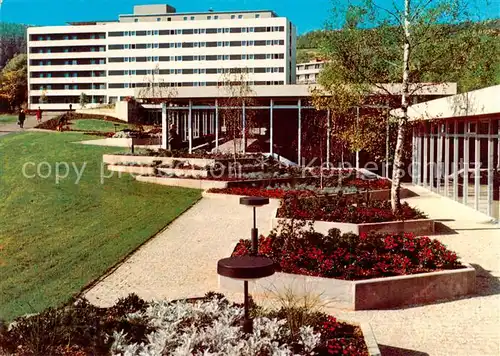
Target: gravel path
x=181 y=262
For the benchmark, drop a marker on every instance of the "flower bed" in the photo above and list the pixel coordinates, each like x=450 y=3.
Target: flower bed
x=337 y=209
x=349 y=256
x=202 y=326
x=358 y=272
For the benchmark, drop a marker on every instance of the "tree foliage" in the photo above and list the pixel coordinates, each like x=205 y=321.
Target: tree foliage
x=412 y=42
x=84 y=100
x=12 y=41
x=14 y=82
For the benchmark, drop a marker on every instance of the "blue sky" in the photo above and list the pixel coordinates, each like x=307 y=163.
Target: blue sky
x=306 y=15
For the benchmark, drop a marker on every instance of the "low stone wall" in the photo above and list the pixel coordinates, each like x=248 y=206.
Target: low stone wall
x=140 y=170
x=418 y=227
x=377 y=293
x=183 y=182
x=117 y=159
x=185 y=172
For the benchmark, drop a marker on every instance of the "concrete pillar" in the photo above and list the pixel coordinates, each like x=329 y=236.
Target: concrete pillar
x=414 y=154
x=190 y=126
x=432 y=163
x=216 y=125
x=271 y=128
x=164 y=126
x=425 y=182
x=477 y=166
x=244 y=133
x=446 y=159
x=455 y=160
x=465 y=179
x=491 y=142
x=299 y=134
x=328 y=134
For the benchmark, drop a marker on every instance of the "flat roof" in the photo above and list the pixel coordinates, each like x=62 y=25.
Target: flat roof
x=296 y=91
x=477 y=102
x=200 y=13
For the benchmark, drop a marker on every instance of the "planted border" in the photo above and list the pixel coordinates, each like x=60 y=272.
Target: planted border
x=376 y=293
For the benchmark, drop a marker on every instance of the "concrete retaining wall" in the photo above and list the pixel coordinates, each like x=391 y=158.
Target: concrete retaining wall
x=377 y=293
x=141 y=170
x=184 y=172
x=117 y=159
x=183 y=182
x=419 y=227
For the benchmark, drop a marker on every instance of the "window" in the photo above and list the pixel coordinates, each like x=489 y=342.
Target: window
x=195 y=44
x=136 y=20
x=226 y=44
x=149 y=46
x=150 y=59
x=276 y=42
x=156 y=45
x=149 y=33
x=178 y=71
x=185 y=18
x=192 y=18
x=156 y=59
x=257 y=16
x=132 y=33
x=216 y=17
x=219 y=44
x=169 y=19
x=251 y=56
x=209 y=17
x=158 y=19
x=126 y=33
x=126 y=72
x=219 y=30
x=202 y=58
x=178 y=58
x=178 y=32
x=243 y=29
x=240 y=16
x=156 y=32
x=226 y=57
x=233 y=17
x=243 y=43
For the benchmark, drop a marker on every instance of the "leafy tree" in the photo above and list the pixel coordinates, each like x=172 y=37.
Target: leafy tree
x=84 y=100
x=409 y=43
x=14 y=82
x=12 y=41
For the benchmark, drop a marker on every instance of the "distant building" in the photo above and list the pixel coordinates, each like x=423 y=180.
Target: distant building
x=156 y=47
x=307 y=73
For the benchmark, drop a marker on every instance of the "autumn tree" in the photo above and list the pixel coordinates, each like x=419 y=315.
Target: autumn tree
x=14 y=82
x=408 y=43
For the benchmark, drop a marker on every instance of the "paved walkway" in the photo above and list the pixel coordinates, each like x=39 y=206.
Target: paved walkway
x=181 y=262
x=30 y=123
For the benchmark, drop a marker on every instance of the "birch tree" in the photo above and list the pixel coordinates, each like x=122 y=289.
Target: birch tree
x=408 y=43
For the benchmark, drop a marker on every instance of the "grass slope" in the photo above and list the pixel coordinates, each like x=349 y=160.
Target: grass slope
x=6 y=119
x=56 y=238
x=96 y=125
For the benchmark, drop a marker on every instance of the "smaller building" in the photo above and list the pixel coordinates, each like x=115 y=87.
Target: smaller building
x=456 y=145
x=307 y=73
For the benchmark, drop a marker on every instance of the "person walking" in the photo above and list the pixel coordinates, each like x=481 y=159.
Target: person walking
x=21 y=118
x=39 y=115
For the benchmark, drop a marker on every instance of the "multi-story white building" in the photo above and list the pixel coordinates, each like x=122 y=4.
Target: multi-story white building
x=307 y=73
x=156 y=47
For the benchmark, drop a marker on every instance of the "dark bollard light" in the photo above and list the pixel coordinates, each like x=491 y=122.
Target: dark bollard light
x=246 y=268
x=254 y=202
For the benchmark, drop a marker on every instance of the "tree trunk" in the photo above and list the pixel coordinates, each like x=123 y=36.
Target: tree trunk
x=398 y=154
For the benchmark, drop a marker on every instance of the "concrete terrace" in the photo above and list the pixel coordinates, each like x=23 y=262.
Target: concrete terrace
x=181 y=262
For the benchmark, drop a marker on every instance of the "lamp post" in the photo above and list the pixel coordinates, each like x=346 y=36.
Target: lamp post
x=254 y=202
x=246 y=268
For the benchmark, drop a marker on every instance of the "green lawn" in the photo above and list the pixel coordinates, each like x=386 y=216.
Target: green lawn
x=56 y=238
x=5 y=119
x=96 y=125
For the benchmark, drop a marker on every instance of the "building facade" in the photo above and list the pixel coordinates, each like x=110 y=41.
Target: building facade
x=307 y=73
x=456 y=148
x=155 y=49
